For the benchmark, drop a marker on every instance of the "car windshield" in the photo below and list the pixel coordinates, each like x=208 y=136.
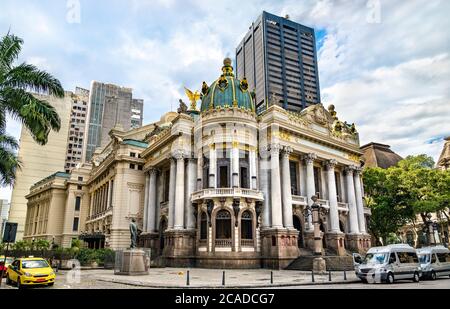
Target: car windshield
x=34 y=264
x=9 y=260
x=375 y=258
x=424 y=258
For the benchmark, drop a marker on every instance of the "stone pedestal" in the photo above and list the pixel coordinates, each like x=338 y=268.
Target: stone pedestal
x=134 y=262
x=335 y=242
x=279 y=247
x=319 y=265
x=150 y=240
x=179 y=250
x=358 y=242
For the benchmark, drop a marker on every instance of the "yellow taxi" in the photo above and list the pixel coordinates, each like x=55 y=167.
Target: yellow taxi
x=30 y=271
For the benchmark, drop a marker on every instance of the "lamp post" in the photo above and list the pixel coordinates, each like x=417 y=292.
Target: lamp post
x=319 y=264
x=431 y=240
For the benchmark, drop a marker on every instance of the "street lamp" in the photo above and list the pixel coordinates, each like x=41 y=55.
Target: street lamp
x=429 y=223
x=315 y=210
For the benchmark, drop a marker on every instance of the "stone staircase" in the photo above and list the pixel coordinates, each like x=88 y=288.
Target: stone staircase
x=333 y=262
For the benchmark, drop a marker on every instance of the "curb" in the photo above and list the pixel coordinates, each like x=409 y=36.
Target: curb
x=149 y=285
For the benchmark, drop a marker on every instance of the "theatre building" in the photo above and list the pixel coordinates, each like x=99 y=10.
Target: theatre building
x=220 y=186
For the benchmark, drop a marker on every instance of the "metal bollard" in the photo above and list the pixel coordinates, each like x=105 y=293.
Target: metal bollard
x=271 y=277
x=329 y=275
x=312 y=276
x=345 y=275
x=223 y=278
x=187 y=278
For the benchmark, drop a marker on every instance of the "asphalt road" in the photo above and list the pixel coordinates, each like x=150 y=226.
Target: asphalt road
x=440 y=283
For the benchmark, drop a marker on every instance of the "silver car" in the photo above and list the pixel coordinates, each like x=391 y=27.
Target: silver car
x=388 y=264
x=435 y=261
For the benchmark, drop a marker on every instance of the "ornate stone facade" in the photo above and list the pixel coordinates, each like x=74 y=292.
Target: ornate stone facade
x=223 y=187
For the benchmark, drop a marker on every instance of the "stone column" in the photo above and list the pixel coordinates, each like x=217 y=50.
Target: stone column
x=359 y=200
x=200 y=170
x=212 y=166
x=191 y=177
x=252 y=158
x=171 y=206
x=147 y=184
x=286 y=188
x=235 y=164
x=332 y=196
x=350 y=188
x=179 y=193
x=277 y=220
x=264 y=185
x=310 y=186
x=151 y=212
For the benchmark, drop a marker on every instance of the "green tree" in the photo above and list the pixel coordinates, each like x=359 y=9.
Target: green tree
x=41 y=244
x=399 y=194
x=37 y=115
x=388 y=202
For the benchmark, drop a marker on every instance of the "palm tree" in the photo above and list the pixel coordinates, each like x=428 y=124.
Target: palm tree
x=37 y=115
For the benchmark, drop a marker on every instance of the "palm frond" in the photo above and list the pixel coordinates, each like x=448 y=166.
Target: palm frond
x=9 y=163
x=10 y=47
x=28 y=77
x=8 y=141
x=37 y=115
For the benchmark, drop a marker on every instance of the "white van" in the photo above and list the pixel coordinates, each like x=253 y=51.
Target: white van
x=434 y=261
x=387 y=264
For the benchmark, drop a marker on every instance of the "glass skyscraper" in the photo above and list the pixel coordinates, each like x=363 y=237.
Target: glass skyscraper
x=279 y=59
x=110 y=105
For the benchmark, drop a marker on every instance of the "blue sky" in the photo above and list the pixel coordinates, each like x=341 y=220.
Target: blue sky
x=385 y=65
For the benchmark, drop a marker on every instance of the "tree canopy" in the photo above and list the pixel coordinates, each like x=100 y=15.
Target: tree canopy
x=398 y=194
x=37 y=115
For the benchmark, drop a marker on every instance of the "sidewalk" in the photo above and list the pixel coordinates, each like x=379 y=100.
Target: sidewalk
x=234 y=278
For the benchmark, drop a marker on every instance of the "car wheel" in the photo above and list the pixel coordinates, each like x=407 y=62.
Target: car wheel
x=416 y=277
x=433 y=275
x=390 y=278
x=51 y=284
x=364 y=280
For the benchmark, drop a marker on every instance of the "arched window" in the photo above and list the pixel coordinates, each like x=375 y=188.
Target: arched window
x=223 y=225
x=203 y=226
x=246 y=225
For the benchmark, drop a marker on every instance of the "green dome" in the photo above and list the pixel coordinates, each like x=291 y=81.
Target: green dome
x=227 y=91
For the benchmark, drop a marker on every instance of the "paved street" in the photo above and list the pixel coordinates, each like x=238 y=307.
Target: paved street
x=212 y=278
x=442 y=283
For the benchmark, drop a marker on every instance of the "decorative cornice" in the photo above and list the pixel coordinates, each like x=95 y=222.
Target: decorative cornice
x=330 y=164
x=179 y=154
x=287 y=150
x=153 y=171
x=349 y=169
x=275 y=148
x=357 y=170
x=309 y=158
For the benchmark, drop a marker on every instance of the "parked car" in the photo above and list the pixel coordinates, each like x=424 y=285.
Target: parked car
x=387 y=264
x=435 y=261
x=30 y=271
x=4 y=263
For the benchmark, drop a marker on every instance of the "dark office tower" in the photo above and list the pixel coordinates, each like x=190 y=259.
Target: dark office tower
x=110 y=106
x=278 y=57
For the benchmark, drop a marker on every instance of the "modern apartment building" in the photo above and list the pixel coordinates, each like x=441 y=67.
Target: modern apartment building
x=38 y=161
x=77 y=131
x=110 y=105
x=278 y=58
x=4 y=213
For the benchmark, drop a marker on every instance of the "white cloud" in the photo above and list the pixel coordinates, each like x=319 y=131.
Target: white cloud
x=390 y=78
x=404 y=106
